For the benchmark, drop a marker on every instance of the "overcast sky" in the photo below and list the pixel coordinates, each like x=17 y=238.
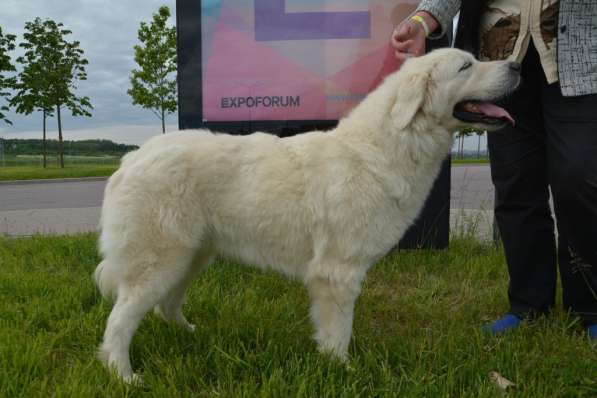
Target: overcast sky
x=107 y=30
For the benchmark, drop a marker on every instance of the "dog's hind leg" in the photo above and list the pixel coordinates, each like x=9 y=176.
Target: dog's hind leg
x=123 y=321
x=332 y=307
x=170 y=307
x=141 y=286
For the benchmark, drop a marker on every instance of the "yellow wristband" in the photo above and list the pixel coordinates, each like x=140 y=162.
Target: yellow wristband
x=420 y=20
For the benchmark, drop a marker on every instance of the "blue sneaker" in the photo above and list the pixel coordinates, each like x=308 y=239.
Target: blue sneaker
x=507 y=322
x=592 y=332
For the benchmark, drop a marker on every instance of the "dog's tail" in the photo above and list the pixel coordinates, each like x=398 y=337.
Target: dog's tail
x=106 y=280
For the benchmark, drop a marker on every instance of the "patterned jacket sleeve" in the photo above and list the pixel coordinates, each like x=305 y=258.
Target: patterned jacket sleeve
x=443 y=10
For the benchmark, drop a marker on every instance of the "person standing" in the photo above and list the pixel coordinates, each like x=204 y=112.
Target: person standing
x=553 y=145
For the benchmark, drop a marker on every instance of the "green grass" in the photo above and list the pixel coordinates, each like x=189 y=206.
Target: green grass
x=456 y=160
x=416 y=332
x=29 y=167
x=11 y=173
x=54 y=161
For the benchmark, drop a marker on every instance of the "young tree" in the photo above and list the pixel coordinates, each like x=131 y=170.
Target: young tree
x=6 y=45
x=154 y=83
x=51 y=68
x=459 y=141
x=33 y=83
x=462 y=134
x=479 y=135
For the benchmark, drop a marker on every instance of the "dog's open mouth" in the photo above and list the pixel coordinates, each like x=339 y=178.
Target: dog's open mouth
x=481 y=112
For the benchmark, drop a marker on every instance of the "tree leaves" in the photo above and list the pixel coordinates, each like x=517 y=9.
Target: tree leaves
x=153 y=85
x=6 y=45
x=51 y=68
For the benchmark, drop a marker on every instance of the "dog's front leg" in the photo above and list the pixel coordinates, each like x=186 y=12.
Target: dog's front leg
x=332 y=307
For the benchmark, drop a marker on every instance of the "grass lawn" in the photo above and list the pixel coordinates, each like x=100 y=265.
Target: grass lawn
x=10 y=173
x=417 y=332
x=29 y=167
x=24 y=168
x=456 y=160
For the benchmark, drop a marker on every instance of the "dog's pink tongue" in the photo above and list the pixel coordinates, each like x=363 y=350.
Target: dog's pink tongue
x=491 y=110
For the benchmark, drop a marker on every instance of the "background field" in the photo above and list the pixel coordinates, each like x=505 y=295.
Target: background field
x=417 y=332
x=53 y=161
x=29 y=167
x=22 y=159
x=470 y=160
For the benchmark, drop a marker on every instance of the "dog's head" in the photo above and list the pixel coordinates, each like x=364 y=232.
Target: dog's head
x=455 y=90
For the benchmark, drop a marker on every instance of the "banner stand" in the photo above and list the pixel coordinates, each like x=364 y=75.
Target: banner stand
x=431 y=229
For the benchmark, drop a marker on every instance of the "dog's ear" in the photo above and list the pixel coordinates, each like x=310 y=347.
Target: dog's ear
x=411 y=94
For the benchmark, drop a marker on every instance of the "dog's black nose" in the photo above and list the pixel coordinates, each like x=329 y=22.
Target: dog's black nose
x=515 y=66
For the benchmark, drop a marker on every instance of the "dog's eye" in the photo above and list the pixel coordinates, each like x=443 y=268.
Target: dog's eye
x=465 y=66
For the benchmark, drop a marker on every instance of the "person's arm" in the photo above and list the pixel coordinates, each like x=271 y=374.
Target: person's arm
x=429 y=20
x=443 y=12
x=408 y=39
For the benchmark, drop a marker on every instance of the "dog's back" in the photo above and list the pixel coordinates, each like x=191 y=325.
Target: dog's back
x=246 y=197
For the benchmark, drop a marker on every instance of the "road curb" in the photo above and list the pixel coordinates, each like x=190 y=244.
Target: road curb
x=52 y=180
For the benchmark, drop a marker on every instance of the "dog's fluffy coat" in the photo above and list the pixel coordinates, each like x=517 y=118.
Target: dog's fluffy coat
x=322 y=207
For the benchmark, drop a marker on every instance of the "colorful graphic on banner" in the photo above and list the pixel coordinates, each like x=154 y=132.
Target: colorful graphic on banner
x=294 y=59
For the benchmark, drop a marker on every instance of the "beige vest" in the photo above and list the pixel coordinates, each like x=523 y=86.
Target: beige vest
x=508 y=26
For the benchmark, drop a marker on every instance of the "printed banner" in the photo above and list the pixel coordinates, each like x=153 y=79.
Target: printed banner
x=294 y=59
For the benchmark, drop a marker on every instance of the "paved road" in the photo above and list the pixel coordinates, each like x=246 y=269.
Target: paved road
x=51 y=195
x=68 y=207
x=471 y=188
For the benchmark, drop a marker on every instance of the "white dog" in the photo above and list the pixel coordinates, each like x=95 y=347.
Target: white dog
x=322 y=207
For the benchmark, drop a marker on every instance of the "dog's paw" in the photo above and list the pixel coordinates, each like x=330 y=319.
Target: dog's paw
x=334 y=354
x=186 y=325
x=159 y=313
x=134 y=379
x=103 y=355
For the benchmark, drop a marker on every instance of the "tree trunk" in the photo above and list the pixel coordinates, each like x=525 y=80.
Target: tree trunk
x=479 y=146
x=163 y=122
x=462 y=146
x=44 y=148
x=60 y=144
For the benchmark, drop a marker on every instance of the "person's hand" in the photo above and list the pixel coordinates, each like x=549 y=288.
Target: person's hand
x=408 y=39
